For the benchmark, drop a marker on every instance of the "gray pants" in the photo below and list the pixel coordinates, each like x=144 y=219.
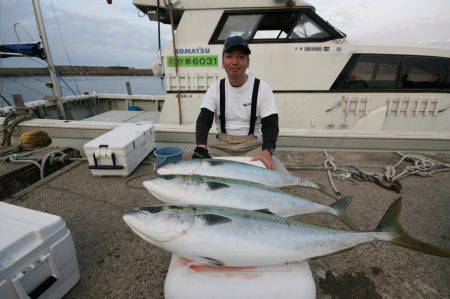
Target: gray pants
x=248 y=146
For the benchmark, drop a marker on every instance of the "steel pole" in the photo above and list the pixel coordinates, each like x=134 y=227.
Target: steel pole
x=51 y=67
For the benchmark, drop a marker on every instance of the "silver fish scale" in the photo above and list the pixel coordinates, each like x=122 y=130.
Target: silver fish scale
x=237 y=170
x=279 y=239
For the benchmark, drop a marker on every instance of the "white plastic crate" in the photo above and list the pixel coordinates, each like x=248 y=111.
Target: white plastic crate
x=37 y=254
x=119 y=152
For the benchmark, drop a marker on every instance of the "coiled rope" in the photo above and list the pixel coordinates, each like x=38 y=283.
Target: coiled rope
x=423 y=166
x=390 y=179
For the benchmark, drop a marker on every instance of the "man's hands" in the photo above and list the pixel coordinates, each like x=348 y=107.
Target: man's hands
x=201 y=152
x=265 y=157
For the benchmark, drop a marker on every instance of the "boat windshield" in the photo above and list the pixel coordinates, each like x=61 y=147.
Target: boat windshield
x=240 y=26
x=274 y=26
x=307 y=28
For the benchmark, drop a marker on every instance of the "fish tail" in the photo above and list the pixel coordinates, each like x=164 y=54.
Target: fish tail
x=325 y=191
x=341 y=206
x=390 y=223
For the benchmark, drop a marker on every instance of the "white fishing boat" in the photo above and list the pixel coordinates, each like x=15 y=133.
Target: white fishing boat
x=330 y=92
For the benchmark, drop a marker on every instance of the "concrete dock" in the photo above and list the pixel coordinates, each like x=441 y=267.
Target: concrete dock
x=114 y=262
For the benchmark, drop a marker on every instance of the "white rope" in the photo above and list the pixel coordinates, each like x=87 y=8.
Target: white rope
x=423 y=166
x=13 y=158
x=331 y=166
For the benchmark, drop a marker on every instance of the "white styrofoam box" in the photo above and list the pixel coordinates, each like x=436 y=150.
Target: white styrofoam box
x=37 y=254
x=186 y=279
x=119 y=152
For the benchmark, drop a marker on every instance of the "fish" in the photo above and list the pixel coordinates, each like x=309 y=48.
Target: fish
x=229 y=237
x=232 y=193
x=240 y=171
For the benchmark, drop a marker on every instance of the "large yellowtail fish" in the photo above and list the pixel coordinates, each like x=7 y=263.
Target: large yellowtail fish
x=202 y=190
x=233 y=237
x=239 y=171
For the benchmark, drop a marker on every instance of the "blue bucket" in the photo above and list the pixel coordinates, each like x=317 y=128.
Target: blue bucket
x=135 y=108
x=168 y=154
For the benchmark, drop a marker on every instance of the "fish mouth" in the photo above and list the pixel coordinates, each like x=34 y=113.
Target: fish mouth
x=134 y=225
x=163 y=195
x=147 y=231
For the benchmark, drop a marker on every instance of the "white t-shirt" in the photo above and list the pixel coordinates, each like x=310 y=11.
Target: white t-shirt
x=238 y=102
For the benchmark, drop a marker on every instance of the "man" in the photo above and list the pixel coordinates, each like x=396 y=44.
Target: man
x=244 y=111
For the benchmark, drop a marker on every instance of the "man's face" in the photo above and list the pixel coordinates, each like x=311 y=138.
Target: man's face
x=235 y=62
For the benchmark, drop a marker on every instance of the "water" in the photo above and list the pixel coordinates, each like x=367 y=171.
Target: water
x=34 y=88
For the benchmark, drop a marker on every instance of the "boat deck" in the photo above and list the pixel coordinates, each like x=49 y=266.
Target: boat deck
x=114 y=262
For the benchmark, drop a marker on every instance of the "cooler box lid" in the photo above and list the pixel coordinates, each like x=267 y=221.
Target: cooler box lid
x=22 y=230
x=120 y=137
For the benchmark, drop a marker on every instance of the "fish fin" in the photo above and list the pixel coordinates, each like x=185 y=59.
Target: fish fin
x=215 y=162
x=390 y=223
x=309 y=183
x=216 y=185
x=212 y=219
x=265 y=211
x=210 y=261
x=341 y=206
x=325 y=191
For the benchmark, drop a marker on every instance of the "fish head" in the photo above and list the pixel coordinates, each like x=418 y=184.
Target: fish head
x=169 y=188
x=180 y=167
x=159 y=224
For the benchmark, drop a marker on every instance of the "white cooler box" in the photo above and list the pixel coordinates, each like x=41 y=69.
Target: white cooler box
x=119 y=152
x=37 y=254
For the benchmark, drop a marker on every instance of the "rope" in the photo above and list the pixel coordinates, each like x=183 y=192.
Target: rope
x=68 y=87
x=331 y=166
x=4 y=99
x=23 y=85
x=65 y=49
x=12 y=119
x=13 y=158
x=44 y=161
x=423 y=166
x=26 y=31
x=42 y=166
x=35 y=139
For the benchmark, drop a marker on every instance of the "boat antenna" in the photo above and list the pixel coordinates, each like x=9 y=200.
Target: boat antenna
x=159 y=42
x=175 y=58
x=51 y=67
x=159 y=33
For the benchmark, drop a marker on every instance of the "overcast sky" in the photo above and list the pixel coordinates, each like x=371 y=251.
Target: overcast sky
x=96 y=33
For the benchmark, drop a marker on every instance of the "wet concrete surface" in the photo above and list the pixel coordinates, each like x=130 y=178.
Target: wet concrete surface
x=114 y=262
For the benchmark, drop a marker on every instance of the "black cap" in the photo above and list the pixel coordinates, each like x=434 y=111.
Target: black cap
x=236 y=41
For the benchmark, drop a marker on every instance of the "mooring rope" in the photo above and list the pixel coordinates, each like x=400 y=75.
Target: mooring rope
x=331 y=166
x=390 y=179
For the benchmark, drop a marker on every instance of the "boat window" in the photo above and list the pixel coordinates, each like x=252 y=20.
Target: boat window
x=423 y=73
x=307 y=28
x=272 y=26
x=276 y=25
x=447 y=85
x=374 y=71
x=240 y=25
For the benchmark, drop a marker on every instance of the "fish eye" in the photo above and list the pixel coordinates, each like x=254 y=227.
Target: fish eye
x=152 y=210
